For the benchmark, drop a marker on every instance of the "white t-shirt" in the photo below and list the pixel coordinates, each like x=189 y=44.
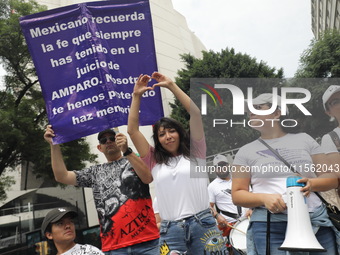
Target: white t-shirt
x=269 y=173
x=83 y=249
x=220 y=194
x=180 y=192
x=155 y=205
x=327 y=144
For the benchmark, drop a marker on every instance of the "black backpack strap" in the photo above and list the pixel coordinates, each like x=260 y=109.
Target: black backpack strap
x=239 y=211
x=229 y=214
x=335 y=138
x=290 y=167
x=268 y=234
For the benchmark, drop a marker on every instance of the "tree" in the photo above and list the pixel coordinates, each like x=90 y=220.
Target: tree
x=5 y=182
x=322 y=58
x=224 y=64
x=22 y=110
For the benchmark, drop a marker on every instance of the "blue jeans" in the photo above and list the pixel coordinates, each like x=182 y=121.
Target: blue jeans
x=145 y=248
x=195 y=235
x=325 y=236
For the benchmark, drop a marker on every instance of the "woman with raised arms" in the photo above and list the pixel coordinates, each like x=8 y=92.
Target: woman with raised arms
x=187 y=225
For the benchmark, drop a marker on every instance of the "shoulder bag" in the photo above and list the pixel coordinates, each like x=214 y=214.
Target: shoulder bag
x=332 y=210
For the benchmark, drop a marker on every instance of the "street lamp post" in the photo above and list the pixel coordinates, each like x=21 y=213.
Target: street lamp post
x=19 y=228
x=20 y=234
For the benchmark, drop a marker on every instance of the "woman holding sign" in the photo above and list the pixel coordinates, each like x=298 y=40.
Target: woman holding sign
x=187 y=224
x=261 y=165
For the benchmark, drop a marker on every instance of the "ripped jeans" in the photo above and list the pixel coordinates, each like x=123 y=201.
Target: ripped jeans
x=194 y=235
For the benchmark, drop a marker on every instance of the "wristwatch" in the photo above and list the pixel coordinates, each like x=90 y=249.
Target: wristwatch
x=128 y=152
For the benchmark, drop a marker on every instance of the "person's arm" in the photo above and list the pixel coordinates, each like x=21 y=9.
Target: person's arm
x=158 y=220
x=136 y=162
x=243 y=197
x=136 y=136
x=196 y=126
x=334 y=159
x=61 y=174
x=156 y=212
x=321 y=162
x=323 y=182
x=221 y=221
x=248 y=212
x=140 y=168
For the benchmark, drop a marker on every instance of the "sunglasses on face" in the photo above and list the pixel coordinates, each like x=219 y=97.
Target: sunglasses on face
x=104 y=139
x=335 y=101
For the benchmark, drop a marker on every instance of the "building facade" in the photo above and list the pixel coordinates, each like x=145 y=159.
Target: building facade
x=30 y=198
x=325 y=16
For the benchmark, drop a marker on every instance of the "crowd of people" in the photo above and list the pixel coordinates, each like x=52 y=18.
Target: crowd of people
x=190 y=215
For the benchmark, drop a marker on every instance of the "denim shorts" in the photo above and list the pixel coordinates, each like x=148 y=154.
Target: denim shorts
x=145 y=248
x=195 y=235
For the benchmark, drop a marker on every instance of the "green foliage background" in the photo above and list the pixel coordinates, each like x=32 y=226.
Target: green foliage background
x=22 y=108
x=321 y=60
x=23 y=117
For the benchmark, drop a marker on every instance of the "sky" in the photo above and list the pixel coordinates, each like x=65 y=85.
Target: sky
x=274 y=31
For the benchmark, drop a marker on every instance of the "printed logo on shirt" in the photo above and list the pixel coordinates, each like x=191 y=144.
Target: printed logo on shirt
x=123 y=203
x=226 y=191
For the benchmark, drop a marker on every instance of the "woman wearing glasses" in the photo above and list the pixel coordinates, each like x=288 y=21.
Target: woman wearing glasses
x=261 y=168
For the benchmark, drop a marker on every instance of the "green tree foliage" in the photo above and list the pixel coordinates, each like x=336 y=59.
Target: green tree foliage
x=22 y=110
x=5 y=182
x=322 y=58
x=224 y=64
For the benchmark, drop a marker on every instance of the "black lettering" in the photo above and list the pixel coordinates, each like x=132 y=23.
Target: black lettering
x=123 y=233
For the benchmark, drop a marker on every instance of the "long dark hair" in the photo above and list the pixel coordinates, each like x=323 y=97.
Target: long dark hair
x=163 y=156
x=51 y=246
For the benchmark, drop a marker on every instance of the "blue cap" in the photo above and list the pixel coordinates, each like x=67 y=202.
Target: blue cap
x=292 y=181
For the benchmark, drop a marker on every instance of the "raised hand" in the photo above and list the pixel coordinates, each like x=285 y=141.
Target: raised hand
x=142 y=84
x=121 y=141
x=163 y=81
x=49 y=134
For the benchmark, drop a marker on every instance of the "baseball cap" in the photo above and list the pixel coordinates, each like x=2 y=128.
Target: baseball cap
x=220 y=158
x=106 y=131
x=328 y=93
x=265 y=98
x=55 y=215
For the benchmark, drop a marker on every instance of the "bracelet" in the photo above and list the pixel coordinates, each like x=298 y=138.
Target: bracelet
x=216 y=215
